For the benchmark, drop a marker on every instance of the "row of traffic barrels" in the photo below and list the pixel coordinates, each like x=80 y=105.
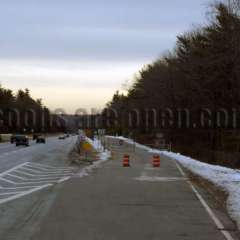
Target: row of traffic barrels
x=155 y=161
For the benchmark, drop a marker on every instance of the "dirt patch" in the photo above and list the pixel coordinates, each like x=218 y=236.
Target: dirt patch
x=217 y=198
x=218 y=194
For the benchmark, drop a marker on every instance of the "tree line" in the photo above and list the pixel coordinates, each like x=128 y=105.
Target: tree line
x=198 y=81
x=21 y=113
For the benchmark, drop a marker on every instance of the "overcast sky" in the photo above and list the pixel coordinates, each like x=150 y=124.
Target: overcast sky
x=75 y=53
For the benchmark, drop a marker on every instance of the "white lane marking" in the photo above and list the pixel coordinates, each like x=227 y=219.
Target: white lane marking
x=27 y=182
x=181 y=170
x=45 y=172
x=24 y=193
x=36 y=167
x=51 y=167
x=36 y=182
x=160 y=179
x=9 y=193
x=24 y=173
x=15 y=176
x=6 y=180
x=41 y=179
x=30 y=169
x=39 y=168
x=26 y=178
x=215 y=219
x=43 y=176
x=15 y=188
x=12 y=169
x=63 y=179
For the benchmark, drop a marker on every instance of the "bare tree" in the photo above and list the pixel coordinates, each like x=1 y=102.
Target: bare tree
x=234 y=6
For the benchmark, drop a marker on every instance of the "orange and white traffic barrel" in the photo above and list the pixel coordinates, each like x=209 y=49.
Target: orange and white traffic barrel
x=126 y=161
x=156 y=161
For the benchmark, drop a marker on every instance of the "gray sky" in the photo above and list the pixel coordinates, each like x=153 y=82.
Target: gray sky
x=75 y=53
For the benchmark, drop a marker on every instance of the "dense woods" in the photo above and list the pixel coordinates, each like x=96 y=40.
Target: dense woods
x=200 y=79
x=22 y=114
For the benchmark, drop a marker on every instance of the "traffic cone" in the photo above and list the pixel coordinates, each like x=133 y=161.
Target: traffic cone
x=156 y=161
x=126 y=162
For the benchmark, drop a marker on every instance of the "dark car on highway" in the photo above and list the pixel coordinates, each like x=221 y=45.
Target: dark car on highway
x=40 y=139
x=61 y=137
x=35 y=136
x=21 y=140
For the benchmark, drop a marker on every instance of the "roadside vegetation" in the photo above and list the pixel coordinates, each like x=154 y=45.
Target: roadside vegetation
x=200 y=76
x=22 y=114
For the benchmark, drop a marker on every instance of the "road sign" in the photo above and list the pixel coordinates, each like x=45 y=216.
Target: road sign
x=87 y=146
x=101 y=131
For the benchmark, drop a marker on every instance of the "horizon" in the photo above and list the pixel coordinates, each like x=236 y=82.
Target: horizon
x=77 y=54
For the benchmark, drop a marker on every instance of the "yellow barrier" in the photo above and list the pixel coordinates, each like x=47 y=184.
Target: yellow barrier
x=87 y=146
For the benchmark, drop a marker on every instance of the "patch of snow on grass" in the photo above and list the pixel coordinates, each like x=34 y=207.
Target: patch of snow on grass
x=104 y=155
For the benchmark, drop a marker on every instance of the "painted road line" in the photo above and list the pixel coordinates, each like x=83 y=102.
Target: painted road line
x=24 y=173
x=181 y=170
x=6 y=180
x=15 y=176
x=31 y=169
x=31 y=175
x=36 y=167
x=30 y=181
x=45 y=179
x=12 y=169
x=9 y=193
x=24 y=179
x=215 y=219
x=51 y=167
x=41 y=174
x=24 y=193
x=63 y=179
x=160 y=179
x=27 y=182
x=36 y=182
x=45 y=172
x=16 y=188
x=48 y=168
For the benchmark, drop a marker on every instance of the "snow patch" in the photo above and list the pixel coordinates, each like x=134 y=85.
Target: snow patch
x=104 y=155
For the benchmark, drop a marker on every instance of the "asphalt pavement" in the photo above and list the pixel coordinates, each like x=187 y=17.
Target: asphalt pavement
x=29 y=179
x=134 y=203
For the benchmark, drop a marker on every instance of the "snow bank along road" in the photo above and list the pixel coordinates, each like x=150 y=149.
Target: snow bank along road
x=139 y=202
x=225 y=178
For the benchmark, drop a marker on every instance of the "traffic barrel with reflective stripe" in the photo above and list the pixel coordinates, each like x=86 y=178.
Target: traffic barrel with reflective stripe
x=126 y=161
x=156 y=161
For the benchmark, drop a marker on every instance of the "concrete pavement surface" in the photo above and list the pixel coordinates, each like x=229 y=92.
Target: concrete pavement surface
x=135 y=203
x=29 y=179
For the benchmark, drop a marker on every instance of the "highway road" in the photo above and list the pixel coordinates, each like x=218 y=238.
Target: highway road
x=113 y=202
x=29 y=177
x=135 y=203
